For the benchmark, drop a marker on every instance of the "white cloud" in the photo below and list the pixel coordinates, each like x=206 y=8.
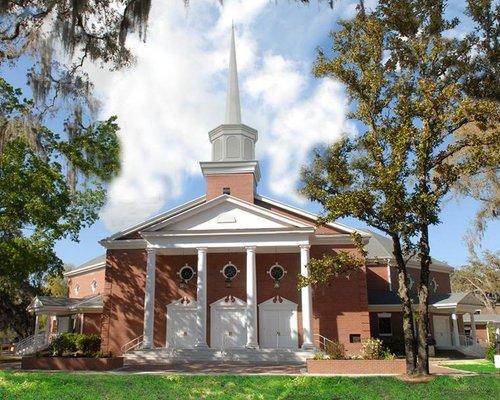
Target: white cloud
x=175 y=94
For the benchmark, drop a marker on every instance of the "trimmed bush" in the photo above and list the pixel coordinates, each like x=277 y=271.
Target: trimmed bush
x=335 y=350
x=372 y=349
x=88 y=345
x=64 y=343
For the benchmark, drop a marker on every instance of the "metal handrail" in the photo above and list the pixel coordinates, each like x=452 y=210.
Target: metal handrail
x=31 y=344
x=132 y=344
x=323 y=341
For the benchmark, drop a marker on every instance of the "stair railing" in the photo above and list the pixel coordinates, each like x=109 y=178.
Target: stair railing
x=31 y=344
x=133 y=344
x=323 y=341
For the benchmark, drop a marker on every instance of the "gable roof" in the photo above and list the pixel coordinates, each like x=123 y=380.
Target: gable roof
x=157 y=218
x=217 y=205
x=91 y=265
x=43 y=304
x=380 y=247
x=435 y=300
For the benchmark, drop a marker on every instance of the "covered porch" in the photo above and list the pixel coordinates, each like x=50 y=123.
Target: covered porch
x=56 y=315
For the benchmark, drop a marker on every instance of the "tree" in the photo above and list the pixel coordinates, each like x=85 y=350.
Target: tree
x=40 y=201
x=482 y=277
x=406 y=81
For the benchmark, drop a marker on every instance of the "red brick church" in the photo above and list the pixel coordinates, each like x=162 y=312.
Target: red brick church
x=220 y=273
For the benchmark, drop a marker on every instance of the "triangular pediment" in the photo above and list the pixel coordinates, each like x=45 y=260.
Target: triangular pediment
x=227 y=213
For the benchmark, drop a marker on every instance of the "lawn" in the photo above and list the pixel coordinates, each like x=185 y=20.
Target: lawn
x=41 y=386
x=479 y=366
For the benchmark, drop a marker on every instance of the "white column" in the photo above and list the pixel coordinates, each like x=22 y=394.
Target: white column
x=48 y=326
x=473 y=328
x=306 y=296
x=251 y=299
x=149 y=299
x=456 y=337
x=201 y=298
x=36 y=325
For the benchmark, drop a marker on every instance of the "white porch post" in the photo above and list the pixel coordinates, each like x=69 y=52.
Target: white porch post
x=251 y=299
x=36 y=325
x=306 y=297
x=149 y=299
x=456 y=337
x=473 y=328
x=201 y=298
x=48 y=325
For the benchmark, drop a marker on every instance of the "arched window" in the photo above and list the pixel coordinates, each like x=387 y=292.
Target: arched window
x=77 y=289
x=93 y=286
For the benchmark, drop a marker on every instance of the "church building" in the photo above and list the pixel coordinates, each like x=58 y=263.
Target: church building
x=220 y=274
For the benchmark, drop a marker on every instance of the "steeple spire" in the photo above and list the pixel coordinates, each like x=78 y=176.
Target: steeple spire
x=233 y=111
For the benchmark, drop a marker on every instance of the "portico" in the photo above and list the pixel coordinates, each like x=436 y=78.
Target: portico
x=247 y=240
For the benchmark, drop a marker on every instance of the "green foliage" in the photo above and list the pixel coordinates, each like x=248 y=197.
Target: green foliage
x=490 y=351
x=372 y=349
x=335 y=350
x=64 y=343
x=319 y=355
x=86 y=345
x=50 y=188
x=56 y=286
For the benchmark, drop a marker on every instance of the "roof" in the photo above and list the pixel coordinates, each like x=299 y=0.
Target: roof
x=93 y=264
x=441 y=300
x=483 y=318
x=65 y=305
x=380 y=247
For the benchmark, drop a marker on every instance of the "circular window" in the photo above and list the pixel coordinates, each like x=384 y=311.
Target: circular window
x=277 y=273
x=186 y=273
x=229 y=271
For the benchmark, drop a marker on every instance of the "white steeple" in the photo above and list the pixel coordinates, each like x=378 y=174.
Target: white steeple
x=233 y=111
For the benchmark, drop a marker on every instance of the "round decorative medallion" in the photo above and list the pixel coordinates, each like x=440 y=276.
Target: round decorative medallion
x=229 y=271
x=277 y=273
x=186 y=273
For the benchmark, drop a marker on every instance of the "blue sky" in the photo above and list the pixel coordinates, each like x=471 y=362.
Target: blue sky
x=175 y=94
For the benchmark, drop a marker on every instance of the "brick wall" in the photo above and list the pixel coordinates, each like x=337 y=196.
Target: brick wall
x=84 y=280
x=242 y=186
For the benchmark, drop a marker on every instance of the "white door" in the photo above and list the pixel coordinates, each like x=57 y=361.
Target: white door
x=228 y=328
x=181 y=324
x=278 y=324
x=442 y=332
x=277 y=330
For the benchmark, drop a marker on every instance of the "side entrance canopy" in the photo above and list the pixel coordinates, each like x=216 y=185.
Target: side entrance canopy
x=65 y=306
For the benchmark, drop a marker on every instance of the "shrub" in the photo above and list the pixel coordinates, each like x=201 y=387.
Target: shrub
x=319 y=355
x=335 y=350
x=88 y=345
x=372 y=349
x=387 y=355
x=490 y=352
x=64 y=343
x=395 y=345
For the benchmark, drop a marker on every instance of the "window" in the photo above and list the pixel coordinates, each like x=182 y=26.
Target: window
x=384 y=324
x=226 y=190
x=229 y=271
x=186 y=273
x=77 y=289
x=277 y=273
x=93 y=286
x=354 y=338
x=434 y=285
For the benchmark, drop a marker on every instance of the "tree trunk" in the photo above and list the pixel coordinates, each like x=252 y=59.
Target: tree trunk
x=423 y=302
x=404 y=295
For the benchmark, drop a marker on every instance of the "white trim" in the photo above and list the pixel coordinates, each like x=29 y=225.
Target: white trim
x=224 y=198
x=230 y=167
x=310 y=215
x=156 y=218
x=84 y=270
x=411 y=264
x=123 y=244
x=340 y=238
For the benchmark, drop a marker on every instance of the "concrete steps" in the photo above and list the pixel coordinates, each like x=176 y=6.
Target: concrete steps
x=244 y=356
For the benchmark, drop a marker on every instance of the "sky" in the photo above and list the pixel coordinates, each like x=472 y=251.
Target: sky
x=175 y=93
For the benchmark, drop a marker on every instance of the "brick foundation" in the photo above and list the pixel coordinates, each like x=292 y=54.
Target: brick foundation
x=356 y=367
x=72 y=363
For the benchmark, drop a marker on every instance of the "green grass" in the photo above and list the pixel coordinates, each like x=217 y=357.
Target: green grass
x=43 y=386
x=479 y=366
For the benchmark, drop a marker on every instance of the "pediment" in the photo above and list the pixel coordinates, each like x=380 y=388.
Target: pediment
x=227 y=213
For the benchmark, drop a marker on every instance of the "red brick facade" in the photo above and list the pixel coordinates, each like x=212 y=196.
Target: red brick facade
x=241 y=186
x=84 y=282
